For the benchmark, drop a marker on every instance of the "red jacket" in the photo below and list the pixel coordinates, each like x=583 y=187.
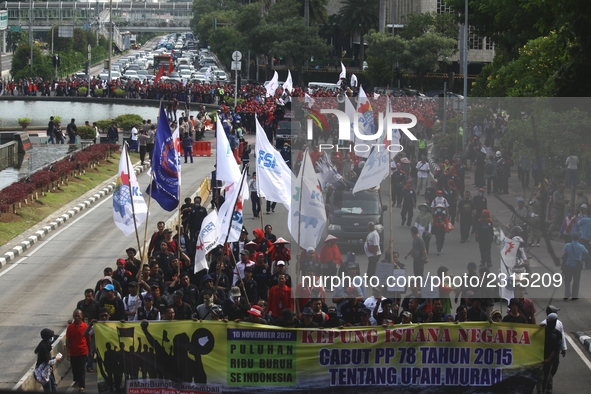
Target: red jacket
x=279 y=298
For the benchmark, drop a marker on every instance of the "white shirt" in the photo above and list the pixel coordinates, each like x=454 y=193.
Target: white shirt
x=572 y=162
x=131 y=304
x=134 y=134
x=240 y=266
x=439 y=201
x=370 y=303
x=423 y=169
x=373 y=238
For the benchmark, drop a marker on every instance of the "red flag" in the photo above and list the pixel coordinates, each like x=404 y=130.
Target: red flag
x=170 y=67
x=160 y=74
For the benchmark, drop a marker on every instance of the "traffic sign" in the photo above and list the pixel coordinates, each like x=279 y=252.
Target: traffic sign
x=15 y=29
x=236 y=66
x=236 y=56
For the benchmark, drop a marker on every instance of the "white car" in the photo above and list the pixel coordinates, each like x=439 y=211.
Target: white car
x=185 y=74
x=130 y=73
x=115 y=75
x=221 y=75
x=104 y=76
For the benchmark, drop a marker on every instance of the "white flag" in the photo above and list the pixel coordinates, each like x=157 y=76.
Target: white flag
x=312 y=218
x=228 y=213
x=365 y=123
x=227 y=168
x=509 y=250
x=288 y=84
x=209 y=238
x=308 y=99
x=350 y=111
x=376 y=95
x=353 y=80
x=343 y=73
x=208 y=73
x=273 y=174
x=375 y=170
x=126 y=188
x=273 y=85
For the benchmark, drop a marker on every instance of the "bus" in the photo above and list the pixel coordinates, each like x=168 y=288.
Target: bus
x=159 y=60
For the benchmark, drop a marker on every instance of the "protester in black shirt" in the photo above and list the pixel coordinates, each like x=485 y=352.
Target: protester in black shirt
x=89 y=306
x=182 y=310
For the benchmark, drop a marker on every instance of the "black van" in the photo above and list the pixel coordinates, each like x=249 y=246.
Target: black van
x=348 y=215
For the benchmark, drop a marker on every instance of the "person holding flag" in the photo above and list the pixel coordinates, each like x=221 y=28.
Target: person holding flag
x=165 y=184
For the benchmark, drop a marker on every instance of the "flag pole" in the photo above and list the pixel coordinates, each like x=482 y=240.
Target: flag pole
x=143 y=254
x=301 y=174
x=137 y=235
x=391 y=246
x=261 y=206
x=230 y=228
x=178 y=226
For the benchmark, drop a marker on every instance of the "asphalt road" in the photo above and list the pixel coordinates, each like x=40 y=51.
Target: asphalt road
x=41 y=288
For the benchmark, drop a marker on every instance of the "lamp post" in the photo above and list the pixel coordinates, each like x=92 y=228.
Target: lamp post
x=31 y=41
x=110 y=36
x=465 y=59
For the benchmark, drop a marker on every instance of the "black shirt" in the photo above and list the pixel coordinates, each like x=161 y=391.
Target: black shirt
x=115 y=307
x=261 y=274
x=350 y=312
x=513 y=319
x=90 y=311
x=183 y=311
x=476 y=314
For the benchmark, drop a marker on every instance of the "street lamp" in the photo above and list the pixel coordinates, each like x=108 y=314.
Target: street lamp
x=31 y=41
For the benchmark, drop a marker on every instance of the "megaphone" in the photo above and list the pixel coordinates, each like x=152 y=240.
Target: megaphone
x=341 y=98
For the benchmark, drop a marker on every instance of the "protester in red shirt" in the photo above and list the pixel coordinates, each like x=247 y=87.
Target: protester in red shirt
x=77 y=348
x=280 y=297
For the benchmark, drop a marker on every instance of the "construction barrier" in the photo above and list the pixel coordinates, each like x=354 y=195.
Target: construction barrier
x=201 y=148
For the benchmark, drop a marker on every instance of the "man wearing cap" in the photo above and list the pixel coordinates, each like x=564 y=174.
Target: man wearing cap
x=281 y=269
x=132 y=301
x=182 y=310
x=552 y=345
x=365 y=318
x=236 y=306
x=244 y=262
x=219 y=295
x=147 y=311
x=514 y=315
x=123 y=276
x=280 y=297
x=559 y=326
x=406 y=317
x=372 y=248
x=105 y=280
x=307 y=319
x=112 y=303
x=254 y=315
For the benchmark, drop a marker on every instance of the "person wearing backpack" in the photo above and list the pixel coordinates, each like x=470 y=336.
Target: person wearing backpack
x=490 y=171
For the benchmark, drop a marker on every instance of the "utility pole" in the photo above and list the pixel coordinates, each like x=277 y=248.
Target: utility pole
x=382 y=16
x=465 y=118
x=110 y=36
x=31 y=41
x=307 y=12
x=89 y=58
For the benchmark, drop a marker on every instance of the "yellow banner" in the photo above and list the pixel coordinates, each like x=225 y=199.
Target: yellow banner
x=206 y=357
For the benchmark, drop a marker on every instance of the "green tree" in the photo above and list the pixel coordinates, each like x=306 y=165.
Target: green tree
x=60 y=44
x=359 y=16
x=430 y=22
x=379 y=70
x=224 y=41
x=79 y=43
x=318 y=13
x=20 y=63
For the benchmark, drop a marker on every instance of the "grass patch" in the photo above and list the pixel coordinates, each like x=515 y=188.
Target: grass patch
x=35 y=212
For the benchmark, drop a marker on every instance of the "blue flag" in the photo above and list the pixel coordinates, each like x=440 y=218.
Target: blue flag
x=165 y=182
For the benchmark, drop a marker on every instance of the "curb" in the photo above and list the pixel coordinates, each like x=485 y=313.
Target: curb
x=585 y=339
x=39 y=235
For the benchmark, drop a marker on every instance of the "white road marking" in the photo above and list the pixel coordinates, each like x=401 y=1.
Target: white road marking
x=579 y=352
x=24 y=257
